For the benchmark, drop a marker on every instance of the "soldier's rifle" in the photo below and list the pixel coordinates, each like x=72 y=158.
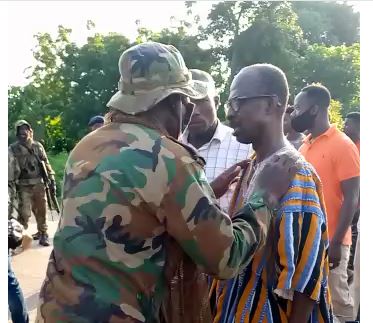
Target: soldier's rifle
x=49 y=188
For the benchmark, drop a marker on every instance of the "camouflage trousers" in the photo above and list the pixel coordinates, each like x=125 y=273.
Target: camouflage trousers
x=33 y=199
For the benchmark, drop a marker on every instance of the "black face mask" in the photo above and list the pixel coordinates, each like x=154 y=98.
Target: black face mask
x=303 y=122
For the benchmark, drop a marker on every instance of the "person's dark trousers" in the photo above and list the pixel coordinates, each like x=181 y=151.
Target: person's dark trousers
x=16 y=301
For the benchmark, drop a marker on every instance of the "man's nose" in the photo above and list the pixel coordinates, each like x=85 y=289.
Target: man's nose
x=196 y=110
x=231 y=116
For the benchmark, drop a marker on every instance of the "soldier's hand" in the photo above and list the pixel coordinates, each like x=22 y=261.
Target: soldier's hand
x=275 y=178
x=220 y=184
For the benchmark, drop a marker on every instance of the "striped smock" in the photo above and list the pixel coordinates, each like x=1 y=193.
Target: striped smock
x=295 y=258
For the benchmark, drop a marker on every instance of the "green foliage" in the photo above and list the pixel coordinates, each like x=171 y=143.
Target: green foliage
x=327 y=22
x=70 y=84
x=336 y=67
x=273 y=37
x=45 y=96
x=246 y=33
x=279 y=33
x=58 y=162
x=311 y=41
x=92 y=76
x=335 y=115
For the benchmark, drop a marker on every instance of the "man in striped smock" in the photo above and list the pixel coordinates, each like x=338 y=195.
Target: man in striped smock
x=287 y=280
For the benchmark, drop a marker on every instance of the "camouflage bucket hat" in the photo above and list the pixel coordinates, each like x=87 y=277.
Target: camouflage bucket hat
x=150 y=72
x=21 y=123
x=205 y=79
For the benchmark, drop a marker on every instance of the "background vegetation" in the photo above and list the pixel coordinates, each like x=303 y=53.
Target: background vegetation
x=311 y=41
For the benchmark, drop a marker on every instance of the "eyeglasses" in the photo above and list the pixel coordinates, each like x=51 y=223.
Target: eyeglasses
x=236 y=103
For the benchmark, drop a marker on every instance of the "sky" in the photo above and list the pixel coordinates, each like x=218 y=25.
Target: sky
x=26 y=18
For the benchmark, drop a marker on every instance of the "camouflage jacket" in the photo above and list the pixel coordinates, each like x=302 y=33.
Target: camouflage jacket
x=127 y=189
x=30 y=173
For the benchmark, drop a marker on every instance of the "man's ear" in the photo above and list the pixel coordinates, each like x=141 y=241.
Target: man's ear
x=315 y=109
x=217 y=101
x=273 y=106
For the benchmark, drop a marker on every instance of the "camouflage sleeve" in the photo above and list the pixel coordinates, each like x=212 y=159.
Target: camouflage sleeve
x=13 y=174
x=44 y=158
x=219 y=245
x=13 y=167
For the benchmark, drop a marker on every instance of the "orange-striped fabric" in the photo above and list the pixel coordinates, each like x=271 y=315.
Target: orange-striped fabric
x=295 y=258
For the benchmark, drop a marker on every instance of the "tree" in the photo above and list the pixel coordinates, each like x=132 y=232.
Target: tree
x=70 y=84
x=335 y=115
x=336 y=67
x=246 y=33
x=67 y=86
x=27 y=103
x=274 y=37
x=328 y=22
x=42 y=100
x=92 y=72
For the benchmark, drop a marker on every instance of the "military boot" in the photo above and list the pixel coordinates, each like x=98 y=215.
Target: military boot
x=44 y=241
x=36 y=236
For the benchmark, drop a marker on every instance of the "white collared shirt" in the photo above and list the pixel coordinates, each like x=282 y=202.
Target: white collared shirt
x=220 y=153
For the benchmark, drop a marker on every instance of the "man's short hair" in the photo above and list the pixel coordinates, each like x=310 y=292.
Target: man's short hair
x=94 y=120
x=273 y=81
x=354 y=116
x=319 y=95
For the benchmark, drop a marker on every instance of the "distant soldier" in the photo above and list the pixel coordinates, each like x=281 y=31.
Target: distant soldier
x=30 y=187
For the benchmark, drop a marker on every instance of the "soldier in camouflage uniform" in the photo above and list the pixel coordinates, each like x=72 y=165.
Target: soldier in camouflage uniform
x=130 y=188
x=30 y=186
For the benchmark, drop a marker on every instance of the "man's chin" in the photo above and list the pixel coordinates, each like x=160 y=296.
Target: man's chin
x=241 y=139
x=196 y=129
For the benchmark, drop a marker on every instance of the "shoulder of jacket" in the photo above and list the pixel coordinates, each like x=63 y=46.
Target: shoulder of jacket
x=15 y=148
x=13 y=145
x=182 y=150
x=37 y=144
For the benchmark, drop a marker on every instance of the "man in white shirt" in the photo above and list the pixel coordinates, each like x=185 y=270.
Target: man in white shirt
x=212 y=139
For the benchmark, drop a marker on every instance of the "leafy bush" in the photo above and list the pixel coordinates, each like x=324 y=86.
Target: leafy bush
x=335 y=115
